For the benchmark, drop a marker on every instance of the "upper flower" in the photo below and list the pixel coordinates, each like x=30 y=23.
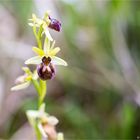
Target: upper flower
x=45 y=22
x=38 y=22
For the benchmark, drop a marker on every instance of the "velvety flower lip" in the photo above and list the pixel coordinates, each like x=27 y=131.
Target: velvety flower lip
x=54 y=24
x=46 y=69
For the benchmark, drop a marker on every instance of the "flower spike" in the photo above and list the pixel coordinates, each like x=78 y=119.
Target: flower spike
x=45 y=61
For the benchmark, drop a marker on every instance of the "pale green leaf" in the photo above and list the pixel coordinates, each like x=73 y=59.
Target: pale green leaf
x=53 y=43
x=46 y=45
x=33 y=24
x=38 y=51
x=47 y=33
x=58 y=61
x=34 y=60
x=21 y=86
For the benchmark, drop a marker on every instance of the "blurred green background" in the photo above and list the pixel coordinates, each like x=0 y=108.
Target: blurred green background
x=98 y=95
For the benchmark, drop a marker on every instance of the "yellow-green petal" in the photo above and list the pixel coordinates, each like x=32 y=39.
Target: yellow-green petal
x=46 y=46
x=58 y=61
x=38 y=51
x=28 y=78
x=30 y=24
x=47 y=33
x=53 y=43
x=34 y=60
x=21 y=86
x=26 y=70
x=54 y=51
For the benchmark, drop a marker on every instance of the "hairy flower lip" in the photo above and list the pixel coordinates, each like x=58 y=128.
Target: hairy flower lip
x=46 y=69
x=54 y=24
x=46 y=72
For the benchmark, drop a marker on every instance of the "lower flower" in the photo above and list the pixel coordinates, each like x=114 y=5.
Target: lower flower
x=45 y=123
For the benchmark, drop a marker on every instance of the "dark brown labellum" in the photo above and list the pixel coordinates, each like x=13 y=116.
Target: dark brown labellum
x=54 y=24
x=46 y=69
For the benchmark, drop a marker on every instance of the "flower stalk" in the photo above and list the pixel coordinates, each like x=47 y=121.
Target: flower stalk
x=45 y=61
x=43 y=86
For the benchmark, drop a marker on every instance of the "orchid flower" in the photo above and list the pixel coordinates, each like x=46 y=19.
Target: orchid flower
x=41 y=119
x=24 y=81
x=46 y=22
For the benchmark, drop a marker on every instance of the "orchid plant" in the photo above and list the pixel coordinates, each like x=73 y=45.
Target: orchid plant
x=45 y=61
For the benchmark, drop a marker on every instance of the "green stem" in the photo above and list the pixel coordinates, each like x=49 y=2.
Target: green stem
x=37 y=87
x=38 y=39
x=43 y=87
x=38 y=134
x=40 y=32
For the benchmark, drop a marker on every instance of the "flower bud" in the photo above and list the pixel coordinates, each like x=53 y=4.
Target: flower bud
x=54 y=24
x=46 y=69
